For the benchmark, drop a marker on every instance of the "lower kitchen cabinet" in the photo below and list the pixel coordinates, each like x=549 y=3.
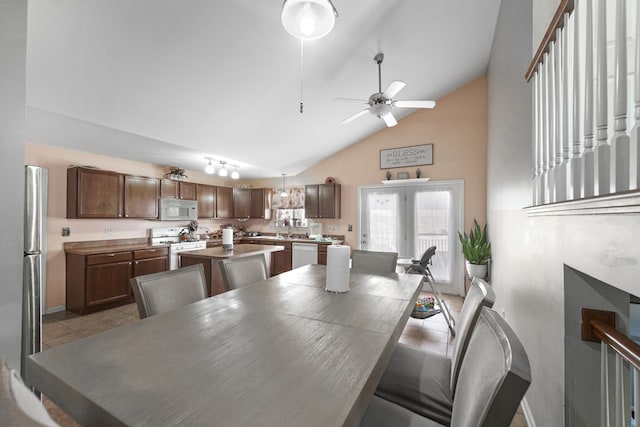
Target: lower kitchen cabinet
x=101 y=280
x=322 y=254
x=281 y=261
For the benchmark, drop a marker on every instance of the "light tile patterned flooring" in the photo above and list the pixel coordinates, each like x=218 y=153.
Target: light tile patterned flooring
x=430 y=334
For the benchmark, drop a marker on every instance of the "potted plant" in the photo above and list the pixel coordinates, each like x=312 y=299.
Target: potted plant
x=476 y=250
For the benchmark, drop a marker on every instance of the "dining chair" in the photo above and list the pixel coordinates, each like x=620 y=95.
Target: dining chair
x=377 y=262
x=167 y=290
x=243 y=271
x=425 y=382
x=19 y=407
x=494 y=376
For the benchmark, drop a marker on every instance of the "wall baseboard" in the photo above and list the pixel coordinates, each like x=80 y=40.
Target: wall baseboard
x=55 y=309
x=528 y=415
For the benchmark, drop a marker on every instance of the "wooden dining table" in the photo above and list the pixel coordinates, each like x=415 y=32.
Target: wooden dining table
x=282 y=352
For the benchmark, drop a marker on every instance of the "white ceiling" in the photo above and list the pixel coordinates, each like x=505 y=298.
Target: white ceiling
x=169 y=82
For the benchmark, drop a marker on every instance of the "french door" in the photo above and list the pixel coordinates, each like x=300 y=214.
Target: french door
x=410 y=218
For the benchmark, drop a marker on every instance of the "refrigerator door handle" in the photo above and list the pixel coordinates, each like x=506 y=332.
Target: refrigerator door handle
x=31 y=312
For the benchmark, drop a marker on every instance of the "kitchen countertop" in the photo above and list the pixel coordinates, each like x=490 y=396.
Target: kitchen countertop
x=239 y=250
x=112 y=248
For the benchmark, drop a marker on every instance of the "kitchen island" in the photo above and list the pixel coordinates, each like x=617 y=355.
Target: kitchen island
x=211 y=258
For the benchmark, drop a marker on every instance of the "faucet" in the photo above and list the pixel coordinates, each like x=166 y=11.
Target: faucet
x=289 y=231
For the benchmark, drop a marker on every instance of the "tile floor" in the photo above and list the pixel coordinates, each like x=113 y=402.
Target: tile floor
x=430 y=334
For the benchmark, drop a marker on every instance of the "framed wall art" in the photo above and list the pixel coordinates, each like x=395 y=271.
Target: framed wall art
x=417 y=155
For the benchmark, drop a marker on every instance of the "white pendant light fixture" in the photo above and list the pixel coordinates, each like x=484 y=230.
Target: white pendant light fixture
x=209 y=168
x=223 y=169
x=284 y=193
x=308 y=19
x=235 y=174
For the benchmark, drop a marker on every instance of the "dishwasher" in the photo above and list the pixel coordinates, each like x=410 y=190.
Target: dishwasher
x=304 y=253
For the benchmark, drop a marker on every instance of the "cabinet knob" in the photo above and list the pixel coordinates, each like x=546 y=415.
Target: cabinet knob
x=137 y=262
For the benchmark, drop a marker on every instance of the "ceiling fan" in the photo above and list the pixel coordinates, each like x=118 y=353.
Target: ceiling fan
x=381 y=103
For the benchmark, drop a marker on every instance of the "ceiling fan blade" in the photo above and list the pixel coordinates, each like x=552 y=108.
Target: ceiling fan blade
x=360 y=101
x=355 y=116
x=389 y=120
x=414 y=104
x=393 y=89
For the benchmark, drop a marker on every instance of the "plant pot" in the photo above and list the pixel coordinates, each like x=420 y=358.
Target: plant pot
x=477 y=270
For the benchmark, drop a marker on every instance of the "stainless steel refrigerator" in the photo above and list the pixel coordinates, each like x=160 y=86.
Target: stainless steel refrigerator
x=34 y=274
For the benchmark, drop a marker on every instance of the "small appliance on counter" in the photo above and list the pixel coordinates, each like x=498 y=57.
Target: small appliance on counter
x=227 y=239
x=172 y=237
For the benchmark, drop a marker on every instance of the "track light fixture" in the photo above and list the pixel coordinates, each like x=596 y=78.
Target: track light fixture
x=224 y=168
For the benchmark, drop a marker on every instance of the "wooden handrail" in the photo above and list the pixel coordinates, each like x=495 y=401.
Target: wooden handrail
x=620 y=343
x=566 y=6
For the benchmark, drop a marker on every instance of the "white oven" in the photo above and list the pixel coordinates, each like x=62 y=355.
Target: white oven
x=171 y=237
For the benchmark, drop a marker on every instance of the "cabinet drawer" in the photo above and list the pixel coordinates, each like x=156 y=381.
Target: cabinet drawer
x=108 y=258
x=150 y=253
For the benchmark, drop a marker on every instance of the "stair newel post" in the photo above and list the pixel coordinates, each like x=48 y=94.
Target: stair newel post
x=620 y=143
x=635 y=131
x=575 y=164
x=588 y=185
x=602 y=157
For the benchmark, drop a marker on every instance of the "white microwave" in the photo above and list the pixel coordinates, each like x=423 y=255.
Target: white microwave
x=177 y=209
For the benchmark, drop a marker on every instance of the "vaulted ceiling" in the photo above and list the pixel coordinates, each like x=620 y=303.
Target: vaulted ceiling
x=169 y=82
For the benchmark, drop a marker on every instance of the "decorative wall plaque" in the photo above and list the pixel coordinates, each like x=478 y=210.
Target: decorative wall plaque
x=416 y=155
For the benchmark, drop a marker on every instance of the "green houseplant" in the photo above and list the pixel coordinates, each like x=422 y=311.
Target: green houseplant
x=476 y=250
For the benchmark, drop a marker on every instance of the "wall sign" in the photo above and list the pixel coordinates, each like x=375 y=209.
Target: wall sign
x=416 y=155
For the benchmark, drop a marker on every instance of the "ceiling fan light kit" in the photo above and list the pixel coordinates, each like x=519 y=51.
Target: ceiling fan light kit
x=308 y=19
x=381 y=104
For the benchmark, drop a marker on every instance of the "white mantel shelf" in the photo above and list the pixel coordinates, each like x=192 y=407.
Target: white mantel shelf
x=627 y=202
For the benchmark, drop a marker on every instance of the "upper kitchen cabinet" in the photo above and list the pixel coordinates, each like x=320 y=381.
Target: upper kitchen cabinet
x=242 y=202
x=260 y=203
x=169 y=188
x=94 y=193
x=206 y=195
x=224 y=208
x=141 y=197
x=322 y=201
x=187 y=190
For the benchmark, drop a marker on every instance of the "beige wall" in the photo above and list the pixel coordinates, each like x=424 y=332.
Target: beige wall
x=456 y=128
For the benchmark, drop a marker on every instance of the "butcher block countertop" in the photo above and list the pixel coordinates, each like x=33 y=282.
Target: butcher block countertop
x=239 y=250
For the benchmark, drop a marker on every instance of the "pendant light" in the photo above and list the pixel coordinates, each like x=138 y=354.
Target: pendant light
x=209 y=168
x=308 y=19
x=223 y=169
x=284 y=193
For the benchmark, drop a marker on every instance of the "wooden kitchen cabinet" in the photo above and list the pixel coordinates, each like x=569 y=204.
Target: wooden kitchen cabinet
x=94 y=193
x=242 y=202
x=260 y=203
x=224 y=199
x=281 y=261
x=148 y=261
x=322 y=254
x=169 y=188
x=141 y=197
x=206 y=196
x=186 y=190
x=323 y=201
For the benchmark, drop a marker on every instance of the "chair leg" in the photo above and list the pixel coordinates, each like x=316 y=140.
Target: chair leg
x=446 y=313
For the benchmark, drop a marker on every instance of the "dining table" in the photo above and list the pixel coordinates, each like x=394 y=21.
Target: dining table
x=281 y=352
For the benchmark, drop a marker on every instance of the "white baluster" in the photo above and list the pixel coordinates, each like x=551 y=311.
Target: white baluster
x=546 y=118
x=636 y=393
x=602 y=157
x=552 y=106
x=619 y=419
x=562 y=149
x=635 y=131
x=576 y=161
x=604 y=385
x=541 y=133
x=588 y=185
x=536 y=140
x=620 y=143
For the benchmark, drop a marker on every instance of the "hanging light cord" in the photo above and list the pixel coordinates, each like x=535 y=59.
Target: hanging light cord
x=301 y=72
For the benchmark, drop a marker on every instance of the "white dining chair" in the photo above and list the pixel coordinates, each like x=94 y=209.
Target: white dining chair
x=425 y=382
x=19 y=407
x=242 y=271
x=374 y=261
x=167 y=290
x=494 y=376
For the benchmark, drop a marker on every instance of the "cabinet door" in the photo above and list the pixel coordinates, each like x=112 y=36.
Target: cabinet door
x=150 y=265
x=322 y=254
x=260 y=206
x=311 y=200
x=329 y=196
x=94 y=193
x=169 y=188
x=242 y=202
x=281 y=261
x=108 y=283
x=224 y=208
x=206 y=195
x=141 y=197
x=187 y=190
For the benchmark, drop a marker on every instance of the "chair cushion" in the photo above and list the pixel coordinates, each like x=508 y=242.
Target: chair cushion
x=384 y=413
x=18 y=406
x=419 y=381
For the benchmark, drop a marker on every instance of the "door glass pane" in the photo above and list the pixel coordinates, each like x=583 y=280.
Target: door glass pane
x=383 y=221
x=433 y=228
